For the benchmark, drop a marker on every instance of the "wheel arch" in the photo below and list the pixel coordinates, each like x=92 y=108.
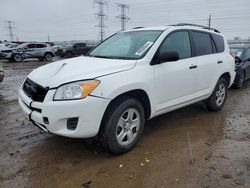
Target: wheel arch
x=137 y=94
x=227 y=77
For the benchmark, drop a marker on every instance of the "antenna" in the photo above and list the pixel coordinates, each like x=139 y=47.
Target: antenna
x=123 y=18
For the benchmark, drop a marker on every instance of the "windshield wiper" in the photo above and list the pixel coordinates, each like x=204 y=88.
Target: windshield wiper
x=101 y=56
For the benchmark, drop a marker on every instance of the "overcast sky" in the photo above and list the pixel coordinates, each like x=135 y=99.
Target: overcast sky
x=75 y=19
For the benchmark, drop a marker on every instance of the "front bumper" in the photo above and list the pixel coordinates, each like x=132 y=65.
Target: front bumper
x=5 y=55
x=89 y=112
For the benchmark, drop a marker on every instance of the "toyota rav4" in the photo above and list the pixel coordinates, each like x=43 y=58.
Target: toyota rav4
x=131 y=77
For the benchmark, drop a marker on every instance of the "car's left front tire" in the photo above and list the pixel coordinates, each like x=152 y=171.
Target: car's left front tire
x=17 y=58
x=123 y=126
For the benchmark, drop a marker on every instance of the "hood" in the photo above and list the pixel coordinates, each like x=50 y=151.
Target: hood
x=79 y=68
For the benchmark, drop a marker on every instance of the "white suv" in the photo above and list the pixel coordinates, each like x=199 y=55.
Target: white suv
x=129 y=78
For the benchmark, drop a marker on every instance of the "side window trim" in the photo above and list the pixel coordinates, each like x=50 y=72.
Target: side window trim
x=215 y=50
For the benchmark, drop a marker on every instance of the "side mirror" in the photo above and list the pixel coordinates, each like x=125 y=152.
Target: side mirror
x=167 y=57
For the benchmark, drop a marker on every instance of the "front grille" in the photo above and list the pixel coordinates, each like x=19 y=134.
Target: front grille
x=34 y=91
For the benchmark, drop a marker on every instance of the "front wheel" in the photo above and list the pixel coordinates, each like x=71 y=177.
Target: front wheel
x=17 y=58
x=123 y=126
x=219 y=95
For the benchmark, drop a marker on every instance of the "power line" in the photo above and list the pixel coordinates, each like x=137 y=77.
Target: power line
x=101 y=16
x=123 y=18
x=10 y=28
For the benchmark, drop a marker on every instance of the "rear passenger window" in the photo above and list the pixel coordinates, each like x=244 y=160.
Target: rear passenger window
x=179 y=42
x=219 y=43
x=41 y=45
x=202 y=43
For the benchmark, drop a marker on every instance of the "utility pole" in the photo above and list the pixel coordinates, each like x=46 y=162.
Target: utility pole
x=123 y=18
x=101 y=16
x=209 y=20
x=10 y=28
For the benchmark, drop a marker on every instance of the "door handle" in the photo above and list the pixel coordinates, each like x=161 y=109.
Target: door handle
x=193 y=67
x=219 y=62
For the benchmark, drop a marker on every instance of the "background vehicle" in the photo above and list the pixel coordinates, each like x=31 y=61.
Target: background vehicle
x=132 y=76
x=42 y=51
x=1 y=72
x=74 y=49
x=242 y=64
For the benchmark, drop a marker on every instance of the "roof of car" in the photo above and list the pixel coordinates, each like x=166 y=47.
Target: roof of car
x=239 y=46
x=178 y=26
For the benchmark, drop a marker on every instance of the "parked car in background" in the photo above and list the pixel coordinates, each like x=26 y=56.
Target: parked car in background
x=42 y=51
x=130 y=77
x=242 y=64
x=74 y=49
x=1 y=72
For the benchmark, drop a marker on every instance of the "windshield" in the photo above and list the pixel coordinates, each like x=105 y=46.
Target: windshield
x=126 y=45
x=236 y=51
x=22 y=45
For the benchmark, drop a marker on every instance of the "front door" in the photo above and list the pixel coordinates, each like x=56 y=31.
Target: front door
x=175 y=81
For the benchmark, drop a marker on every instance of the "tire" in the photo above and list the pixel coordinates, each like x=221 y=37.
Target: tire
x=240 y=81
x=17 y=58
x=69 y=54
x=118 y=134
x=48 y=57
x=217 y=99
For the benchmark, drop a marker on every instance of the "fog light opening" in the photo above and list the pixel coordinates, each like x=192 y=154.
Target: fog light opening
x=46 y=120
x=72 y=123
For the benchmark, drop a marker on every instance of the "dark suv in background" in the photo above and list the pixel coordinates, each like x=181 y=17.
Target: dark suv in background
x=74 y=49
x=242 y=64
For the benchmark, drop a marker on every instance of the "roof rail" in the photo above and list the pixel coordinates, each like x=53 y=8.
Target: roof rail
x=138 y=27
x=201 y=26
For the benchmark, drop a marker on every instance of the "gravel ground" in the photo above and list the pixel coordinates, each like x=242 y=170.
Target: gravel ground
x=220 y=145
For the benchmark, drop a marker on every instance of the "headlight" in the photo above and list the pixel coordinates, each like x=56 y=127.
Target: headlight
x=76 y=90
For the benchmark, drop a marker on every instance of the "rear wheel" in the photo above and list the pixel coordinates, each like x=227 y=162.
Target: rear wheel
x=48 y=57
x=123 y=126
x=17 y=58
x=219 y=95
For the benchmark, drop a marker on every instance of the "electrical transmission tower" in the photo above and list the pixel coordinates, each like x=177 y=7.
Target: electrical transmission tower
x=101 y=16
x=10 y=28
x=123 y=18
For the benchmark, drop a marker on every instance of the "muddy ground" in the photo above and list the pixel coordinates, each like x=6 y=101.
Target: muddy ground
x=220 y=145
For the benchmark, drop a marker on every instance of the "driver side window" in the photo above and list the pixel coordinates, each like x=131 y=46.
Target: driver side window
x=179 y=42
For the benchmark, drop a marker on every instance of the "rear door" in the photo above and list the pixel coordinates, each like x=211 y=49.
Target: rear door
x=78 y=48
x=40 y=50
x=207 y=60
